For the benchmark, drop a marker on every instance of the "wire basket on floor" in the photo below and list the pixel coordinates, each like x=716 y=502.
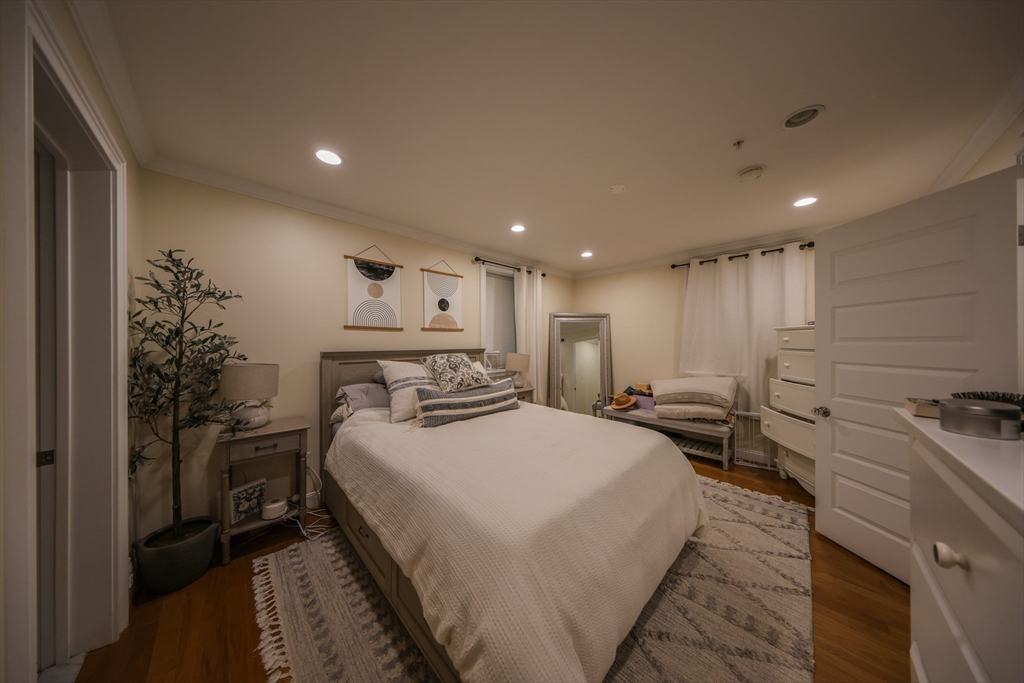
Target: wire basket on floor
x=752 y=447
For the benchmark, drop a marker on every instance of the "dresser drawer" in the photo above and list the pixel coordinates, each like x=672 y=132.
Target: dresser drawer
x=289 y=443
x=934 y=629
x=375 y=557
x=987 y=598
x=792 y=433
x=792 y=398
x=796 y=366
x=795 y=339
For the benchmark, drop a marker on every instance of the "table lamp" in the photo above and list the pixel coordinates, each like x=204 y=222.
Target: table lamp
x=252 y=384
x=518 y=363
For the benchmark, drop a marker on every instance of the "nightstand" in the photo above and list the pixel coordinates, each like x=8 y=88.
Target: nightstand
x=285 y=436
x=525 y=393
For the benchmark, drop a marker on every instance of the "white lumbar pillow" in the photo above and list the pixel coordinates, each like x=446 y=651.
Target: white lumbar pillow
x=403 y=379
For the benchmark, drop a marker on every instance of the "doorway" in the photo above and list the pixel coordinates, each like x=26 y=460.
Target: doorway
x=63 y=386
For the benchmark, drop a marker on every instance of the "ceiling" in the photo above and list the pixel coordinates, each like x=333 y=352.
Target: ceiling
x=462 y=119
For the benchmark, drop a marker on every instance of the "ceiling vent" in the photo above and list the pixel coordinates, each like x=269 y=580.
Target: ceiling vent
x=801 y=117
x=751 y=173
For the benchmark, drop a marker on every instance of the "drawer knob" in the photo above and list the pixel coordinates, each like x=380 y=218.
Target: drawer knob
x=785 y=339
x=778 y=395
x=767 y=424
x=362 y=532
x=785 y=365
x=947 y=558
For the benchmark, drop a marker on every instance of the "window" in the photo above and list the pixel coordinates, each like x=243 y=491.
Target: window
x=499 y=313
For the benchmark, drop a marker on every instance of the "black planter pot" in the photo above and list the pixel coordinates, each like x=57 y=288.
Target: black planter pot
x=166 y=568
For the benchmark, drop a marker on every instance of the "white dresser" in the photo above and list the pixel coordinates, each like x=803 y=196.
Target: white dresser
x=966 y=555
x=789 y=421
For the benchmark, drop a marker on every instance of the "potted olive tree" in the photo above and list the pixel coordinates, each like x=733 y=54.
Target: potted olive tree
x=174 y=368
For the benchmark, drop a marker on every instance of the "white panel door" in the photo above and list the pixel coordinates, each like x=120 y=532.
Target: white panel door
x=919 y=300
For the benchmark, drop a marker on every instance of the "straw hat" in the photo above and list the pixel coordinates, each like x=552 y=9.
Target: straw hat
x=622 y=401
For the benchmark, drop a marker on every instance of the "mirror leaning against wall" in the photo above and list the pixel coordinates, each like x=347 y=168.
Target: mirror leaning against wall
x=579 y=362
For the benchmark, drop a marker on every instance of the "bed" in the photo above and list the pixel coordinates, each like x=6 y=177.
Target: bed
x=509 y=551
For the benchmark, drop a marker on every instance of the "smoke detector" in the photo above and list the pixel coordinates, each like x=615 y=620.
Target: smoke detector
x=751 y=173
x=801 y=117
x=616 y=189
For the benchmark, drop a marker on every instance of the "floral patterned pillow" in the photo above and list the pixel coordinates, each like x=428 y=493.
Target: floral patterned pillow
x=455 y=372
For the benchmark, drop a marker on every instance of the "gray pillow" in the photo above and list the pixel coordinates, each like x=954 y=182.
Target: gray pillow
x=436 y=408
x=455 y=372
x=368 y=395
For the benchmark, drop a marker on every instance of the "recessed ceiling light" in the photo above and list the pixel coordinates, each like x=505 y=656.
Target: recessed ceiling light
x=517 y=228
x=806 y=201
x=328 y=157
x=586 y=254
x=801 y=117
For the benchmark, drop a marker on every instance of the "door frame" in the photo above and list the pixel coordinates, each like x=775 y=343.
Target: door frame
x=28 y=35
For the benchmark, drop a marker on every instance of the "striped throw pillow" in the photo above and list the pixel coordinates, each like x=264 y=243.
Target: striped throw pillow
x=438 y=408
x=403 y=379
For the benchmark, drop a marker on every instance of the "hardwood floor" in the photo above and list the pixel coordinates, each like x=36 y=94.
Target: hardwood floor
x=207 y=631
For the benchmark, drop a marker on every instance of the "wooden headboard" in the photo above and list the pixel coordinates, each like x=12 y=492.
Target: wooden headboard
x=340 y=368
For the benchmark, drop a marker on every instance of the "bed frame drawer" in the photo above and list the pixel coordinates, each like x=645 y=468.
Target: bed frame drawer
x=368 y=544
x=797 y=399
x=796 y=366
x=795 y=339
x=792 y=433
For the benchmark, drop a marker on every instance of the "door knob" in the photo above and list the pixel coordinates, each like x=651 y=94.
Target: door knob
x=822 y=411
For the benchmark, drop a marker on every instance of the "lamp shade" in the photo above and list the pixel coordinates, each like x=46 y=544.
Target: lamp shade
x=246 y=381
x=517 y=362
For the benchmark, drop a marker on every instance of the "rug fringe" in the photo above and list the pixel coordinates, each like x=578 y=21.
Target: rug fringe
x=778 y=498
x=272 y=646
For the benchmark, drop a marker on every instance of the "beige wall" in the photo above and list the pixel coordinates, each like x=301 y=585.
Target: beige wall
x=646 y=308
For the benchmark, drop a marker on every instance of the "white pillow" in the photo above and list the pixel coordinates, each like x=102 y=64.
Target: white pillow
x=715 y=391
x=690 y=411
x=403 y=379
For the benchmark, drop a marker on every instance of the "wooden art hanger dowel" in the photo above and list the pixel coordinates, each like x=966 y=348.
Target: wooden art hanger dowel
x=379 y=263
x=438 y=272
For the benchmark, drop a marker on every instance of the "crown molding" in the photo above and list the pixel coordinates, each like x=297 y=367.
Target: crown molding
x=1009 y=106
x=762 y=242
x=94 y=26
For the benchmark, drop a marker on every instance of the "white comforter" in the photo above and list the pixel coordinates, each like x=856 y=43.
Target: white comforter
x=533 y=537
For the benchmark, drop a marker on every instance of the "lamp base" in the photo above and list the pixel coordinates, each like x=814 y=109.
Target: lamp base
x=518 y=380
x=252 y=415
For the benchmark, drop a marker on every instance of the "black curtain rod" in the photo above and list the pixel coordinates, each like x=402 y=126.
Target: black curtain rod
x=805 y=245
x=505 y=265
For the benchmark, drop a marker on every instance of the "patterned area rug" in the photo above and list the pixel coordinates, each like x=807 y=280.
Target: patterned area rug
x=735 y=606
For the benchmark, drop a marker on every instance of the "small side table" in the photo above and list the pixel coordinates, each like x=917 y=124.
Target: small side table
x=525 y=393
x=284 y=436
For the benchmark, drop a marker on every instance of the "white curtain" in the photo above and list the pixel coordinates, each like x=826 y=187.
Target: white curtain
x=730 y=311
x=530 y=329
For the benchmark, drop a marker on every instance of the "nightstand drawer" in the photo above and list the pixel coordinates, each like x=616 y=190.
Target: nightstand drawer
x=271 y=445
